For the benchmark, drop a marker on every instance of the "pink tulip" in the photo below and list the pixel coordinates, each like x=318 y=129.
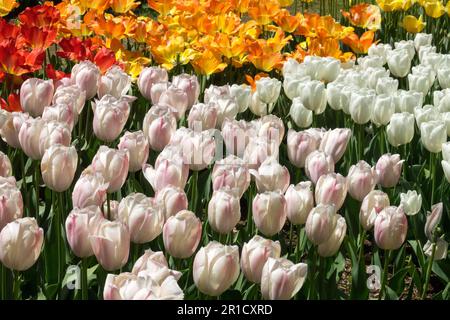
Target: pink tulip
x=269 y=212
x=318 y=163
x=271 y=176
x=29 y=135
x=433 y=219
x=389 y=168
x=390 y=228
x=11 y=204
x=58 y=167
x=271 y=128
x=72 y=96
x=148 y=77
x=86 y=76
x=190 y=85
x=5 y=165
x=60 y=113
x=166 y=172
x=113 y=165
x=199 y=149
x=53 y=133
x=331 y=189
x=115 y=82
x=331 y=246
x=231 y=172
x=334 y=142
x=138 y=148
x=300 y=145
x=35 y=95
x=299 y=202
x=236 y=135
x=202 y=116
x=11 y=127
x=371 y=206
x=176 y=99
x=361 y=180
x=321 y=223
x=172 y=200
x=224 y=211
x=258 y=150
x=159 y=125
x=90 y=189
x=157 y=90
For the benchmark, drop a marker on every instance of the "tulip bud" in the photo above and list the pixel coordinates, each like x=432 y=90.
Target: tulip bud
x=190 y=85
x=166 y=172
x=159 y=125
x=433 y=219
x=331 y=189
x=433 y=134
x=269 y=212
x=35 y=95
x=224 y=211
x=72 y=96
x=148 y=77
x=11 y=127
x=78 y=223
x=113 y=165
x=411 y=202
x=86 y=75
x=371 y=206
x=269 y=127
x=216 y=268
x=181 y=234
x=5 y=165
x=419 y=83
x=299 y=202
x=137 y=146
x=115 y=82
x=441 y=250
x=389 y=168
x=422 y=39
x=300 y=145
x=390 y=228
x=375 y=74
x=58 y=167
x=20 y=244
x=199 y=149
x=408 y=101
x=361 y=180
x=334 y=142
x=255 y=254
x=361 y=105
x=400 y=130
x=314 y=96
x=202 y=116
x=157 y=90
x=172 y=200
x=89 y=190
x=236 y=135
x=258 y=150
x=29 y=134
x=387 y=86
x=271 y=176
x=176 y=99
x=399 y=62
x=143 y=216
x=242 y=94
x=281 y=279
x=53 y=133
x=259 y=108
x=231 y=172
x=110 y=116
x=318 y=163
x=320 y=223
x=331 y=246
x=383 y=109
x=110 y=241
x=338 y=96
x=299 y=114
x=226 y=109
x=62 y=113
x=443 y=75
x=11 y=204
x=268 y=89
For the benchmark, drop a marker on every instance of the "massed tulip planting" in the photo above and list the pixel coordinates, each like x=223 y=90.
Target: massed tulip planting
x=200 y=177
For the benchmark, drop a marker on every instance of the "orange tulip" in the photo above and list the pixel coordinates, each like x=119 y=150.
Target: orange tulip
x=123 y=6
x=287 y=22
x=38 y=38
x=208 y=63
x=163 y=7
x=42 y=16
x=13 y=104
x=6 y=6
x=360 y=45
x=96 y=5
x=364 y=15
x=263 y=11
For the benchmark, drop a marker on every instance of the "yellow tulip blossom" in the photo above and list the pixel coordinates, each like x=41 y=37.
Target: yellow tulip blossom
x=434 y=8
x=123 y=6
x=208 y=63
x=395 y=5
x=97 y=5
x=6 y=6
x=412 y=24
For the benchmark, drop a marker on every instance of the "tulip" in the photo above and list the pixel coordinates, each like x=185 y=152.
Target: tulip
x=53 y=133
x=432 y=60
x=269 y=212
x=236 y=135
x=433 y=219
x=72 y=96
x=411 y=202
x=20 y=244
x=318 y=163
x=213 y=93
x=331 y=246
x=422 y=39
x=390 y=228
x=226 y=109
x=314 y=96
x=446 y=151
x=441 y=100
x=86 y=76
x=446 y=120
x=268 y=89
x=441 y=250
x=224 y=211
x=433 y=134
x=375 y=74
x=172 y=200
x=166 y=172
x=338 y=96
x=422 y=71
x=399 y=62
x=157 y=90
x=113 y=165
x=255 y=254
x=199 y=149
x=231 y=172
x=258 y=150
x=202 y=116
x=400 y=130
x=129 y=286
x=387 y=86
x=138 y=149
x=11 y=127
x=216 y=268
x=299 y=114
x=35 y=95
x=371 y=206
x=361 y=180
x=389 y=168
x=383 y=109
x=293 y=83
x=11 y=204
x=361 y=105
x=143 y=215
x=407 y=45
x=259 y=108
x=111 y=209
x=443 y=75
x=115 y=82
x=58 y=167
x=408 y=101
x=328 y=70
x=89 y=190
x=182 y=233
x=379 y=49
x=424 y=51
x=110 y=241
x=271 y=176
x=334 y=142
x=269 y=127
x=78 y=223
x=60 y=113
x=426 y=114
x=331 y=189
x=281 y=279
x=176 y=99
x=5 y=165
x=300 y=145
x=190 y=85
x=110 y=116
x=148 y=77
x=29 y=135
x=299 y=202
x=321 y=223
x=242 y=94
x=419 y=83
x=159 y=125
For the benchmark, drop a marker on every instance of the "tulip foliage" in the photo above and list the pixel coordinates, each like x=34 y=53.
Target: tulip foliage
x=230 y=149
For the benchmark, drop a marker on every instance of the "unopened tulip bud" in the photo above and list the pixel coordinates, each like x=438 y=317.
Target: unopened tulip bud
x=138 y=148
x=334 y=142
x=299 y=202
x=242 y=94
x=269 y=212
x=300 y=145
x=113 y=165
x=86 y=75
x=399 y=62
x=361 y=179
x=11 y=204
x=89 y=190
x=159 y=125
x=320 y=223
x=433 y=219
x=148 y=77
x=58 y=167
x=400 y=130
x=172 y=200
x=331 y=246
x=167 y=172
x=318 y=163
x=433 y=134
x=190 y=85
x=224 y=211
x=255 y=254
x=331 y=189
x=181 y=234
x=390 y=228
x=35 y=95
x=29 y=135
x=203 y=116
x=268 y=89
x=299 y=114
x=389 y=168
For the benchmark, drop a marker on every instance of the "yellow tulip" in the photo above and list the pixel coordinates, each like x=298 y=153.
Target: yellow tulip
x=412 y=24
x=6 y=6
x=434 y=8
x=123 y=6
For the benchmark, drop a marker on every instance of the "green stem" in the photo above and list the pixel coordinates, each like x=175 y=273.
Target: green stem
x=428 y=274
x=311 y=295
x=361 y=244
x=36 y=187
x=16 y=287
x=26 y=208
x=290 y=237
x=387 y=254
x=382 y=140
x=3 y=282
x=432 y=175
x=84 y=283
